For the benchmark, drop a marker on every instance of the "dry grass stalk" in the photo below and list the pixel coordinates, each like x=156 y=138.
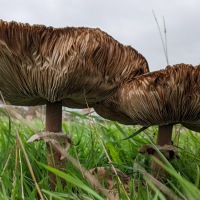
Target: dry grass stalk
x=29 y=166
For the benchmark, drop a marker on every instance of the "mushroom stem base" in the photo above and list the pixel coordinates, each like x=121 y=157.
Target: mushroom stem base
x=169 y=151
x=164 y=138
x=54 y=125
x=164 y=145
x=57 y=142
x=57 y=145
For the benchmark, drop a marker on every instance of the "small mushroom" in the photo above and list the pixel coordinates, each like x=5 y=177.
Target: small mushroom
x=162 y=98
x=73 y=67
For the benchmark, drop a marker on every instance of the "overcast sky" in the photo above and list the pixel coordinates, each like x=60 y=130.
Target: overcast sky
x=131 y=22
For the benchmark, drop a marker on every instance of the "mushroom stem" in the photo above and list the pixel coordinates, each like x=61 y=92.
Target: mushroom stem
x=54 y=124
x=164 y=138
x=165 y=135
x=54 y=116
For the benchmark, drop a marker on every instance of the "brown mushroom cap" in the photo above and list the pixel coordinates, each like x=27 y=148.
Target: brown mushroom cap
x=75 y=65
x=163 y=97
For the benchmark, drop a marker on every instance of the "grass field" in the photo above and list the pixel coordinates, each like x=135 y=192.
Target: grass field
x=97 y=143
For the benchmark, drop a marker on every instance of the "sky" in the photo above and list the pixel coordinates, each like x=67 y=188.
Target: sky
x=131 y=22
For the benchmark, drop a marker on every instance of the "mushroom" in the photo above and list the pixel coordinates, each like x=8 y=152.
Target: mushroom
x=164 y=98
x=73 y=67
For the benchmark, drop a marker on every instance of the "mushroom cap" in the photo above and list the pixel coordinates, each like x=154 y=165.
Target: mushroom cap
x=162 y=97
x=79 y=66
x=195 y=126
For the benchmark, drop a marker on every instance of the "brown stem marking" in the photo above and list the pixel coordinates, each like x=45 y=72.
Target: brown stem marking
x=54 y=124
x=164 y=138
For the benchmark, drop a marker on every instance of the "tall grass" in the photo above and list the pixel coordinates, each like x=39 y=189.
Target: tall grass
x=97 y=143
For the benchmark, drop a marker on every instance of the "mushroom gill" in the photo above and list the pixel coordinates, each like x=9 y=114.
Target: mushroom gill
x=73 y=67
x=41 y=64
x=162 y=98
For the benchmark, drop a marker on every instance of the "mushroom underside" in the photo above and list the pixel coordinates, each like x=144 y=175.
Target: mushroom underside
x=162 y=98
x=73 y=67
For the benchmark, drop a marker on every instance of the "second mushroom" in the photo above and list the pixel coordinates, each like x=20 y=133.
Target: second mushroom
x=164 y=98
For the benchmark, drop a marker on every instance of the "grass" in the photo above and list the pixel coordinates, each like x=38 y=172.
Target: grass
x=97 y=143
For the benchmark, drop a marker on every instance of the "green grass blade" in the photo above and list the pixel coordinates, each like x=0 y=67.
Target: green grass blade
x=190 y=190
x=136 y=133
x=197 y=177
x=72 y=180
x=53 y=195
x=4 y=194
